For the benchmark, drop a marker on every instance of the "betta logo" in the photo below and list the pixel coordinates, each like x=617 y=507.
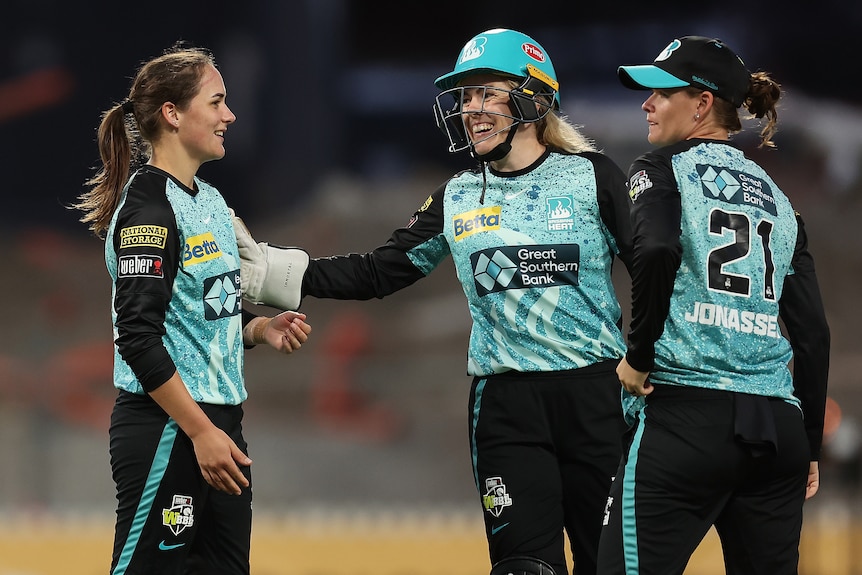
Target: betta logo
x=533 y=51
x=466 y=224
x=200 y=248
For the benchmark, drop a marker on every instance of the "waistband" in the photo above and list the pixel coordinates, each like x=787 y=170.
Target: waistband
x=602 y=367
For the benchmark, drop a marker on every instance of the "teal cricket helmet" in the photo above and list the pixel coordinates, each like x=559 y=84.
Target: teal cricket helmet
x=504 y=52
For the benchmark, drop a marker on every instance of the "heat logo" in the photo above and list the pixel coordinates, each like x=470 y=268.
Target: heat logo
x=560 y=213
x=669 y=49
x=474 y=49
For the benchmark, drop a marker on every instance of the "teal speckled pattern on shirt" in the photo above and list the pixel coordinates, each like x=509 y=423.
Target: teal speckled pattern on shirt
x=203 y=320
x=534 y=260
x=738 y=237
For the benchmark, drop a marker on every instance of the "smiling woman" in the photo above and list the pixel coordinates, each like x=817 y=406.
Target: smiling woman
x=534 y=231
x=178 y=455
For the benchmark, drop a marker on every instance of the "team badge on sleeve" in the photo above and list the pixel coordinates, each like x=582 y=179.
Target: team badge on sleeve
x=140 y=265
x=137 y=236
x=638 y=184
x=415 y=217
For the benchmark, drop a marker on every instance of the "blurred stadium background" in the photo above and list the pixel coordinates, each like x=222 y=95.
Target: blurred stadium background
x=361 y=464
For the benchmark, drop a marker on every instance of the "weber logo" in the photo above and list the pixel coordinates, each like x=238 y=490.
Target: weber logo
x=140 y=265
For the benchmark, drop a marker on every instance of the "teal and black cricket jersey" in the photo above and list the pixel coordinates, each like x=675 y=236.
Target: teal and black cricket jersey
x=720 y=254
x=176 y=299
x=533 y=251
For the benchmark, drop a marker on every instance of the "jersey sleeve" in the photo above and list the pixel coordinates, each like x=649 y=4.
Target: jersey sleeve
x=148 y=256
x=614 y=204
x=801 y=310
x=656 y=254
x=407 y=256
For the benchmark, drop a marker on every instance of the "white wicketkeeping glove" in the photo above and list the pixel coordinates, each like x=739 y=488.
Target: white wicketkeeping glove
x=271 y=275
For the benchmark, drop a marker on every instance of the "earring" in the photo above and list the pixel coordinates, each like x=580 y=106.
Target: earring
x=696 y=116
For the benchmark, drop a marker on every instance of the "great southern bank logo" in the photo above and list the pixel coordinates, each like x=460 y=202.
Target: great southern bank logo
x=515 y=267
x=222 y=295
x=734 y=187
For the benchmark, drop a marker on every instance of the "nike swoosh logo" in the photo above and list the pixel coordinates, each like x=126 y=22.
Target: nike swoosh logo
x=495 y=530
x=207 y=220
x=165 y=547
x=512 y=196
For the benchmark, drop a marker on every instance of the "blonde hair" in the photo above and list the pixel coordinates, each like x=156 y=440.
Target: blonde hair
x=556 y=131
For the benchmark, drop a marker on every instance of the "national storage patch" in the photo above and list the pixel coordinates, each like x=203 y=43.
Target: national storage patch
x=154 y=236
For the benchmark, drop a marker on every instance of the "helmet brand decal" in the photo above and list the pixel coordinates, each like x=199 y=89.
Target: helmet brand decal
x=474 y=49
x=542 y=77
x=533 y=51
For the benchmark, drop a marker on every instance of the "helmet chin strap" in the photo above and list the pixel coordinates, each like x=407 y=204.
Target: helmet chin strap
x=499 y=152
